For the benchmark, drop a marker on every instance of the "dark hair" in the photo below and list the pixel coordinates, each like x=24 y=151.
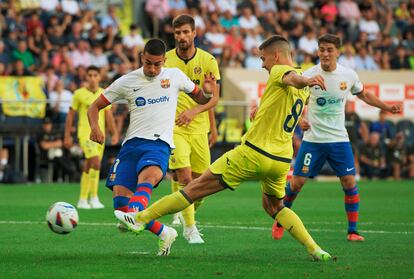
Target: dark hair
x=330 y=39
x=273 y=40
x=155 y=47
x=182 y=20
x=92 y=68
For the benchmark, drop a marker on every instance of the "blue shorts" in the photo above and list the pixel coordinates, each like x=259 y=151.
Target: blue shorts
x=312 y=156
x=136 y=154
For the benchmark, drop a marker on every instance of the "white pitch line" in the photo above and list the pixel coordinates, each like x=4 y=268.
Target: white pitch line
x=232 y=227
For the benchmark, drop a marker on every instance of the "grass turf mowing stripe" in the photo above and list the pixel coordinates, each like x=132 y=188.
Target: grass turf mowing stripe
x=212 y=226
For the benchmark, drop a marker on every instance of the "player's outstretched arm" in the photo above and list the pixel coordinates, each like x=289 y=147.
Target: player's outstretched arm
x=67 y=138
x=293 y=79
x=374 y=101
x=93 y=117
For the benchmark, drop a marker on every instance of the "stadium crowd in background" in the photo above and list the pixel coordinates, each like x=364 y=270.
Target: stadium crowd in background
x=62 y=38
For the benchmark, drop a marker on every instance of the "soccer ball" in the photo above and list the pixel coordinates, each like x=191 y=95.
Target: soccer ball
x=62 y=217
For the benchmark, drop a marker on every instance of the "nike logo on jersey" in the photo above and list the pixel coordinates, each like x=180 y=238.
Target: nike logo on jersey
x=349 y=169
x=135 y=89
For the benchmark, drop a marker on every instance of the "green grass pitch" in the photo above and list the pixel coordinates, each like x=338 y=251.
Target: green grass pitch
x=236 y=230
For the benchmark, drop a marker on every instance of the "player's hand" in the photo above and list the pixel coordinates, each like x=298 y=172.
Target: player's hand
x=317 y=81
x=212 y=139
x=185 y=117
x=253 y=113
x=304 y=125
x=209 y=83
x=97 y=136
x=394 y=109
x=67 y=142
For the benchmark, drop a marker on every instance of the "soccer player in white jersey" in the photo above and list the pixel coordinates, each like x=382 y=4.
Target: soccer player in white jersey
x=151 y=93
x=326 y=138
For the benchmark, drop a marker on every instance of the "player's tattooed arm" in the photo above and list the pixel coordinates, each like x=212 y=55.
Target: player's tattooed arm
x=298 y=81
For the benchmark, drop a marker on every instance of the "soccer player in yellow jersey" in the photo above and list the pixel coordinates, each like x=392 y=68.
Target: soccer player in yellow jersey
x=264 y=154
x=81 y=100
x=193 y=121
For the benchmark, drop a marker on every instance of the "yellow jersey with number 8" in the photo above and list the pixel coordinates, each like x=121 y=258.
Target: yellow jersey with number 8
x=278 y=114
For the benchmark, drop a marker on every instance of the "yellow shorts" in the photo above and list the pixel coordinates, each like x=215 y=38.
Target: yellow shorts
x=91 y=148
x=243 y=163
x=190 y=151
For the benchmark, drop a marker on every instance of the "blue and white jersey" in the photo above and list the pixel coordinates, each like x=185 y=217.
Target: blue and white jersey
x=326 y=109
x=152 y=102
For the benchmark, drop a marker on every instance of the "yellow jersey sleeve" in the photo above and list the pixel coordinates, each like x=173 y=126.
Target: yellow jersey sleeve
x=75 y=100
x=279 y=111
x=195 y=68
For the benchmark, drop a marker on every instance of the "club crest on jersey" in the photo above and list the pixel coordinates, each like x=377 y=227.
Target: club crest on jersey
x=165 y=83
x=343 y=85
x=197 y=70
x=305 y=169
x=112 y=176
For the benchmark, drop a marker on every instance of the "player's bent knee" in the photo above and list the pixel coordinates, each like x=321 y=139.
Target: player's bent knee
x=119 y=190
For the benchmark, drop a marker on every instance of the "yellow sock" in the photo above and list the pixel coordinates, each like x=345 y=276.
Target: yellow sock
x=172 y=203
x=292 y=223
x=84 y=186
x=189 y=212
x=93 y=182
x=174 y=186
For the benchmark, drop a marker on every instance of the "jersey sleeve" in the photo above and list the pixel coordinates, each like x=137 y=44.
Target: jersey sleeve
x=213 y=68
x=185 y=84
x=357 y=87
x=278 y=72
x=75 y=101
x=115 y=91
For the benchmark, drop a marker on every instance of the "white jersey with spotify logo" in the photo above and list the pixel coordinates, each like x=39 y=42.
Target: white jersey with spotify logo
x=326 y=109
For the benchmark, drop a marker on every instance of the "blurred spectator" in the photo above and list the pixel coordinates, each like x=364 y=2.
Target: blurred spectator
x=252 y=39
x=347 y=58
x=364 y=61
x=24 y=55
x=74 y=36
x=50 y=5
x=286 y=21
x=307 y=62
x=397 y=155
x=133 y=38
x=357 y=131
x=158 y=11
x=299 y=9
x=216 y=39
x=80 y=77
x=4 y=168
x=81 y=55
x=51 y=149
x=248 y=20
x=228 y=21
x=38 y=42
x=50 y=79
x=266 y=6
x=329 y=12
x=382 y=127
x=62 y=56
x=410 y=155
x=308 y=44
x=118 y=57
x=372 y=158
x=349 y=15
x=369 y=25
x=32 y=23
x=66 y=76
x=402 y=16
x=19 y=70
x=382 y=59
x=56 y=38
x=400 y=60
x=99 y=58
x=5 y=57
x=177 y=7
x=70 y=7
x=234 y=42
x=227 y=5
x=110 y=19
x=60 y=102
x=253 y=61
